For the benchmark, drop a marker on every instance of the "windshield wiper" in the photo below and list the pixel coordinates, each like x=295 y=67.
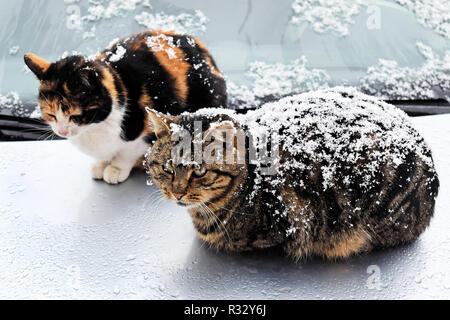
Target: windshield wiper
x=13 y=128
x=16 y=128
x=422 y=107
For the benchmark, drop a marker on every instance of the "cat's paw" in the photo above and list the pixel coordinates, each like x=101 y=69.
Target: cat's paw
x=97 y=169
x=115 y=175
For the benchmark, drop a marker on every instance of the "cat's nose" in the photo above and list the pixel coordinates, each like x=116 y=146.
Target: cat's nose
x=178 y=196
x=63 y=132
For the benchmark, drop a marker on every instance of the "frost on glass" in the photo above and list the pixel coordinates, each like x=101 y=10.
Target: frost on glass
x=181 y=23
x=271 y=81
x=99 y=10
x=431 y=80
x=326 y=15
x=335 y=16
x=12 y=103
x=14 y=50
x=434 y=14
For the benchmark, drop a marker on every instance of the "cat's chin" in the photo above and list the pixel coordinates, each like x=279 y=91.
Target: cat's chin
x=69 y=136
x=72 y=134
x=187 y=205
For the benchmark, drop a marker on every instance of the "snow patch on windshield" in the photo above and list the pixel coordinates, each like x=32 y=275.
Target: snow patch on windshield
x=431 y=80
x=10 y=99
x=12 y=102
x=181 y=23
x=335 y=16
x=14 y=50
x=271 y=81
x=434 y=14
x=113 y=8
x=326 y=15
x=36 y=113
x=101 y=10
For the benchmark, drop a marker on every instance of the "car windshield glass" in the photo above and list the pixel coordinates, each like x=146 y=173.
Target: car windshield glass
x=397 y=49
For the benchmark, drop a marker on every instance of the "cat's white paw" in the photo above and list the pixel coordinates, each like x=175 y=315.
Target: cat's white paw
x=97 y=169
x=115 y=175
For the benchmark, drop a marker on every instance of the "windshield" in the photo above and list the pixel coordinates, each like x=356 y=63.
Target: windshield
x=397 y=50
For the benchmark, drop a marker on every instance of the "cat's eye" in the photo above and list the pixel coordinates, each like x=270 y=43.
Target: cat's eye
x=75 y=118
x=51 y=115
x=200 y=172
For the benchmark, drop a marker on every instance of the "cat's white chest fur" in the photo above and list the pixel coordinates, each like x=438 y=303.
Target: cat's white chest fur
x=115 y=157
x=101 y=141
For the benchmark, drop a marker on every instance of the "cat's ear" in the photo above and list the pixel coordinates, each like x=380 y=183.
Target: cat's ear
x=36 y=64
x=159 y=123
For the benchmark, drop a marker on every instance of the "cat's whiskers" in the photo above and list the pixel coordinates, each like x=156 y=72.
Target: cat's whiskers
x=47 y=136
x=51 y=136
x=156 y=197
x=217 y=220
x=205 y=217
x=44 y=135
x=222 y=208
x=37 y=128
x=155 y=205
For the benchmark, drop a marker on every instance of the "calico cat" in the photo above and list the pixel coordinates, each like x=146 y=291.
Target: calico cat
x=351 y=176
x=99 y=103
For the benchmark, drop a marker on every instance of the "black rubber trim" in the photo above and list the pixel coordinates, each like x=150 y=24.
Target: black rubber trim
x=14 y=128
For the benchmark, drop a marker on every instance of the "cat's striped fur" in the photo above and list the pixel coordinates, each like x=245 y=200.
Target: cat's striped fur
x=351 y=179
x=99 y=103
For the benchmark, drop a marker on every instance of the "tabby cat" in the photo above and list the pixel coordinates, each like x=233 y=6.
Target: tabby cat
x=352 y=176
x=99 y=103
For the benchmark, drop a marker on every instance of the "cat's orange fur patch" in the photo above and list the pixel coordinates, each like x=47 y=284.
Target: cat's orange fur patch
x=108 y=83
x=139 y=45
x=352 y=244
x=39 y=62
x=48 y=106
x=176 y=66
x=66 y=89
x=145 y=100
